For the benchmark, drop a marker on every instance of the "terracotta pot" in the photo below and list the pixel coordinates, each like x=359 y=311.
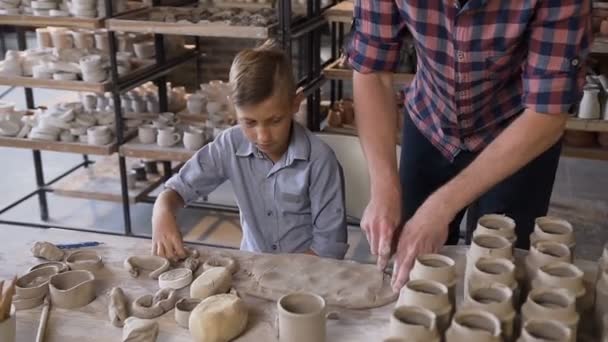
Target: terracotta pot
x=430 y=295
x=84 y=260
x=496 y=299
x=487 y=246
x=301 y=317
x=563 y=275
x=439 y=268
x=414 y=323
x=554 y=229
x=72 y=289
x=601 y=300
x=558 y=304
x=183 y=308
x=545 y=330
x=474 y=325
x=494 y=224
x=543 y=253
x=35 y=283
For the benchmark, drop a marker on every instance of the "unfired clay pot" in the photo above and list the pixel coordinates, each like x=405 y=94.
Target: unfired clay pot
x=415 y=323
x=484 y=245
x=430 y=295
x=60 y=266
x=494 y=224
x=35 y=283
x=545 y=330
x=439 y=268
x=301 y=318
x=28 y=303
x=474 y=325
x=84 y=260
x=490 y=270
x=563 y=275
x=558 y=304
x=175 y=279
x=154 y=264
x=72 y=289
x=548 y=228
x=218 y=260
x=183 y=308
x=496 y=299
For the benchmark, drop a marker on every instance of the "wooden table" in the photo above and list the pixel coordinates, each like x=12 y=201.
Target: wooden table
x=91 y=322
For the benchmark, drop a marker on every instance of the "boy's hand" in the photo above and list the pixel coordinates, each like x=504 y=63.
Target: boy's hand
x=166 y=237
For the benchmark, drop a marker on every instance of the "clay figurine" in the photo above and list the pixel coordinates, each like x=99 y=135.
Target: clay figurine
x=117 y=308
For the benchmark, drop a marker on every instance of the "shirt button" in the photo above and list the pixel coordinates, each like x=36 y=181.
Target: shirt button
x=269 y=213
x=575 y=62
x=274 y=247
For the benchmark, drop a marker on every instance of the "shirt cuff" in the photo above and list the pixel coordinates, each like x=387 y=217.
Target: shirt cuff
x=328 y=248
x=367 y=55
x=187 y=193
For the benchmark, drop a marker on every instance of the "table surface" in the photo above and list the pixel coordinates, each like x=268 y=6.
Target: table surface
x=91 y=321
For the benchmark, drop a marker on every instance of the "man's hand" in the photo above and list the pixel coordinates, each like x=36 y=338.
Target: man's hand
x=380 y=221
x=425 y=232
x=166 y=236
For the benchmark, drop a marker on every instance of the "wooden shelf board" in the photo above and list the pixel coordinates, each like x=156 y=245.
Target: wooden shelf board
x=576 y=124
x=135 y=149
x=30 y=82
x=333 y=72
x=101 y=181
x=600 y=45
x=340 y=13
x=138 y=22
x=42 y=21
x=59 y=146
x=596 y=153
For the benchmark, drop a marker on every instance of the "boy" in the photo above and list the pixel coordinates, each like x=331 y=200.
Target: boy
x=288 y=183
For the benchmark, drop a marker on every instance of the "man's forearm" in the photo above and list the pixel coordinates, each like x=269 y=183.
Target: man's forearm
x=524 y=139
x=168 y=201
x=376 y=117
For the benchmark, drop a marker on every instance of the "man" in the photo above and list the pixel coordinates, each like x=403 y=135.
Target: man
x=495 y=82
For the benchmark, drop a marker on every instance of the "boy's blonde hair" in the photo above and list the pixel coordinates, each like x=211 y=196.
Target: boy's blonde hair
x=259 y=73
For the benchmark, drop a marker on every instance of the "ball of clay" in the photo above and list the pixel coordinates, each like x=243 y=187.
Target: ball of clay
x=214 y=281
x=219 y=318
x=139 y=330
x=47 y=250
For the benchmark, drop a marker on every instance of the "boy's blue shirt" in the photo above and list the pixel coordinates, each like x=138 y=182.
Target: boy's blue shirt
x=291 y=206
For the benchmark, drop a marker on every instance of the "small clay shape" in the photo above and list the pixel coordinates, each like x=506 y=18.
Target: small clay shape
x=545 y=330
x=35 y=283
x=61 y=267
x=474 y=325
x=139 y=330
x=155 y=264
x=47 y=250
x=218 y=318
x=217 y=260
x=84 y=260
x=214 y=281
x=117 y=309
x=192 y=264
x=72 y=289
x=183 y=309
x=175 y=279
x=149 y=306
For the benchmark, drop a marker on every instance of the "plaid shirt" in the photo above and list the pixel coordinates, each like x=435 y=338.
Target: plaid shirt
x=479 y=64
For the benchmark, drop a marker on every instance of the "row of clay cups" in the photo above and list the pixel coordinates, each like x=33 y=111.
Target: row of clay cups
x=83 y=8
x=64 y=38
x=193 y=138
x=93 y=69
x=99 y=135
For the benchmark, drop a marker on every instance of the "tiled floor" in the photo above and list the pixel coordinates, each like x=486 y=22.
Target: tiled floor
x=580 y=195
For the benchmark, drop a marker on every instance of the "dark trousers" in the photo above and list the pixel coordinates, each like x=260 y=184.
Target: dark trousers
x=523 y=196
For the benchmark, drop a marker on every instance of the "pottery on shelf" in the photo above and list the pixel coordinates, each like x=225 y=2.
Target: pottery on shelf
x=563 y=275
x=84 y=260
x=495 y=224
x=558 y=304
x=154 y=264
x=35 y=283
x=301 y=318
x=183 y=309
x=545 y=330
x=474 y=325
x=548 y=228
x=430 y=295
x=72 y=289
x=415 y=323
x=589 y=107
x=175 y=279
x=439 y=268
x=496 y=299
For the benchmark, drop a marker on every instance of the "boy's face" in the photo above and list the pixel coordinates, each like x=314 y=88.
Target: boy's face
x=268 y=124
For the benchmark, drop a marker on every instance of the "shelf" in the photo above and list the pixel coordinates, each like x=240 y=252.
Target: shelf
x=340 y=13
x=575 y=124
x=43 y=21
x=333 y=72
x=138 y=22
x=600 y=45
x=59 y=146
x=135 y=149
x=596 y=153
x=101 y=181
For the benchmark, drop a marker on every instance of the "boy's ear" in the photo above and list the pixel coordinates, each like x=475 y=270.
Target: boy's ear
x=297 y=100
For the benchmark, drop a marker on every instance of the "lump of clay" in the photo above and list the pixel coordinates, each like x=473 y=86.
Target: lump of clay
x=218 y=318
x=214 y=281
x=148 y=306
x=117 y=309
x=139 y=330
x=217 y=260
x=155 y=264
x=47 y=250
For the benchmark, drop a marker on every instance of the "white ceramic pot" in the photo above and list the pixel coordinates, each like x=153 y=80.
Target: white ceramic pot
x=589 y=107
x=147 y=134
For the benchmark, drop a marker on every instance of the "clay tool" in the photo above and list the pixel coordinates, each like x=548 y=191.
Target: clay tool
x=6 y=299
x=44 y=317
x=79 y=245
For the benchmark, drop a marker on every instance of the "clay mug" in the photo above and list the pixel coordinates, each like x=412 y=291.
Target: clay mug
x=90 y=102
x=301 y=317
x=194 y=139
x=8 y=327
x=43 y=37
x=167 y=137
x=415 y=323
x=147 y=134
x=99 y=135
x=195 y=103
x=83 y=39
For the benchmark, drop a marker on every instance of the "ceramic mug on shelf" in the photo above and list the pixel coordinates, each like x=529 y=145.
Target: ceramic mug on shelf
x=167 y=137
x=194 y=138
x=147 y=134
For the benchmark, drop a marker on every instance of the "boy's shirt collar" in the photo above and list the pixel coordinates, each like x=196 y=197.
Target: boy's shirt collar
x=298 y=148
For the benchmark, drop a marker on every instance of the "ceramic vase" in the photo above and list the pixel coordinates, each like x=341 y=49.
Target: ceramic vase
x=496 y=299
x=430 y=295
x=558 y=304
x=554 y=229
x=474 y=325
x=439 y=268
x=494 y=224
x=589 y=107
x=414 y=323
x=545 y=330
